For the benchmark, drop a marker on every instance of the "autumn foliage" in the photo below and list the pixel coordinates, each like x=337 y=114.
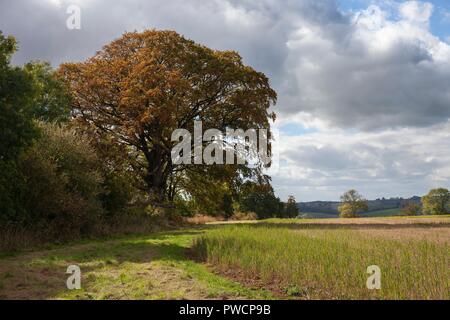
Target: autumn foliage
x=141 y=87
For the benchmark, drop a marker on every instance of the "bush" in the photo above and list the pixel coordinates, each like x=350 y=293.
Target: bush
x=117 y=193
x=244 y=216
x=411 y=209
x=11 y=182
x=63 y=183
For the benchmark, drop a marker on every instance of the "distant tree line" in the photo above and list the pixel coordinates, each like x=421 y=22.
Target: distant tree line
x=332 y=207
x=436 y=202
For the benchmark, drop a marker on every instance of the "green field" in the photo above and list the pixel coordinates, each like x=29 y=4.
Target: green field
x=383 y=213
x=285 y=259
x=377 y=213
x=317 y=215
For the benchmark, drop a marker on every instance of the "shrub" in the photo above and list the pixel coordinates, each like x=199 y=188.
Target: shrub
x=244 y=216
x=411 y=209
x=62 y=182
x=10 y=192
x=117 y=193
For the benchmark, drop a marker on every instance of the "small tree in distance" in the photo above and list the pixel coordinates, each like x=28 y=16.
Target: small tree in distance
x=436 y=202
x=411 y=209
x=291 y=209
x=352 y=204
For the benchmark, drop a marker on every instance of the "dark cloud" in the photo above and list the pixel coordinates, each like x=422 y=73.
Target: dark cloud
x=367 y=73
x=379 y=73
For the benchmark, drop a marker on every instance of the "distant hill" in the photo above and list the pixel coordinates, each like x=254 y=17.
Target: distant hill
x=378 y=207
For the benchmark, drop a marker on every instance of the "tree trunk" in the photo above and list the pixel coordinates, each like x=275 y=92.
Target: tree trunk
x=156 y=177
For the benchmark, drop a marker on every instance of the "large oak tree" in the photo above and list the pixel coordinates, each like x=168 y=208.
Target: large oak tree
x=143 y=86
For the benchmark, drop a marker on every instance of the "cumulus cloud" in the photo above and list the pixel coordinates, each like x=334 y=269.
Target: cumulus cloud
x=377 y=73
x=416 y=11
x=366 y=70
x=401 y=162
x=370 y=86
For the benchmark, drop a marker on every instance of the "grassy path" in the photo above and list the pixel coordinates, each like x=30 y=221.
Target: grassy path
x=146 y=267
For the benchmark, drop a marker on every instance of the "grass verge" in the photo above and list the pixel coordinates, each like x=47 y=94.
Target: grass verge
x=155 y=266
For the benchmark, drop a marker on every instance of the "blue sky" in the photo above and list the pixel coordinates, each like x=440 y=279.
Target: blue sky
x=439 y=23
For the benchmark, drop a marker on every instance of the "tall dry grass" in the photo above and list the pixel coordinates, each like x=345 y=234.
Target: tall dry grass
x=330 y=264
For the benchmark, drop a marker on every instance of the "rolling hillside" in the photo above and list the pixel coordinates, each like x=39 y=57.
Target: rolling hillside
x=377 y=208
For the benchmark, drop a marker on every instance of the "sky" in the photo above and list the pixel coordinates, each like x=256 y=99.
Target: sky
x=363 y=86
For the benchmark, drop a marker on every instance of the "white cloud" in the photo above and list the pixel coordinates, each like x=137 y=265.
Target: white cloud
x=373 y=73
x=401 y=162
x=416 y=11
x=373 y=86
x=365 y=70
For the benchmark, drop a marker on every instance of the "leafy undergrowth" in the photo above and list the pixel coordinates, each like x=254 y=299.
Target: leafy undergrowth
x=312 y=262
x=145 y=267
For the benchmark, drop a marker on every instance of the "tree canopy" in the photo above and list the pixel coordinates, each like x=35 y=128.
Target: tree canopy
x=291 y=210
x=27 y=94
x=16 y=126
x=437 y=201
x=51 y=98
x=352 y=204
x=143 y=86
x=16 y=96
x=259 y=197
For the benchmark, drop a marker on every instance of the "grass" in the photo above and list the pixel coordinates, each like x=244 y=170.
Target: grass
x=311 y=261
x=383 y=213
x=377 y=213
x=276 y=258
x=146 y=267
x=317 y=215
x=372 y=214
